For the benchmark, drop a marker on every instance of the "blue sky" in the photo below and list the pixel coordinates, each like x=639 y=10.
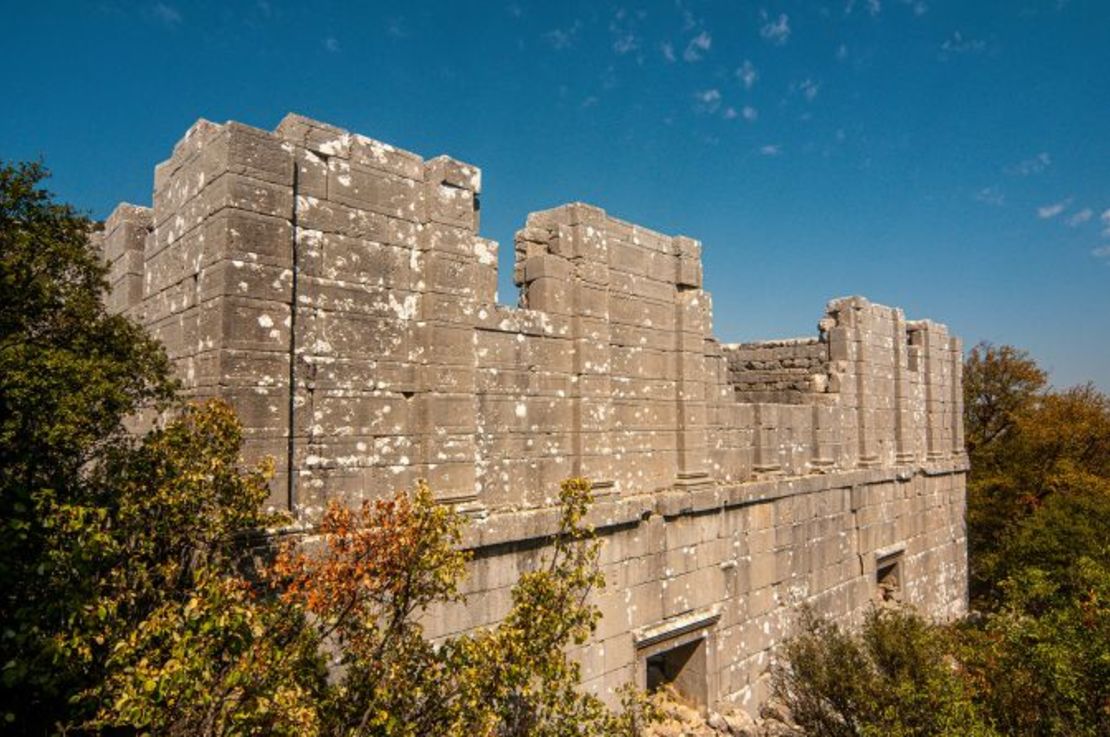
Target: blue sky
x=948 y=157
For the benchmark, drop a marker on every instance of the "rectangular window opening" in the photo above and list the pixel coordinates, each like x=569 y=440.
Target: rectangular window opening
x=888 y=578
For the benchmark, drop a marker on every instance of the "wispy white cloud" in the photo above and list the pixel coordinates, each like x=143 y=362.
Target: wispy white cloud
x=841 y=52
x=958 y=44
x=707 y=101
x=699 y=44
x=166 y=14
x=1102 y=252
x=771 y=149
x=625 y=38
x=990 y=196
x=331 y=45
x=1080 y=217
x=776 y=31
x=747 y=74
x=689 y=21
x=625 y=43
x=1032 y=165
x=809 y=89
x=667 y=49
x=747 y=112
x=608 y=78
x=396 y=28
x=874 y=7
x=1105 y=218
x=563 y=38
x=1047 y=212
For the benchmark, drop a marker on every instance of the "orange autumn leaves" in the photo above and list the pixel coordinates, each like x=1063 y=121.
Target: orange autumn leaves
x=399 y=552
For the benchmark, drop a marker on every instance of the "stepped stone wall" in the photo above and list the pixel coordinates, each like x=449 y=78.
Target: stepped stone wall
x=336 y=290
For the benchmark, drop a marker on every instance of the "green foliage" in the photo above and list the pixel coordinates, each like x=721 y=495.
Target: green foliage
x=1069 y=526
x=223 y=661
x=893 y=679
x=177 y=519
x=1027 y=444
x=236 y=658
x=1040 y=658
x=1000 y=383
x=69 y=374
x=1041 y=664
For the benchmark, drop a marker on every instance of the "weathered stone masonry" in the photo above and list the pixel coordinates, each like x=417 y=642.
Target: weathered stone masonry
x=336 y=290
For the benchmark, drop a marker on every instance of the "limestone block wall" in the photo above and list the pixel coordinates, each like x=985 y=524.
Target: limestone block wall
x=123 y=244
x=337 y=291
x=739 y=559
x=778 y=371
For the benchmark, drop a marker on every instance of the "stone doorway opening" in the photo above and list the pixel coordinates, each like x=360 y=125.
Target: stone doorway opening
x=683 y=668
x=681 y=653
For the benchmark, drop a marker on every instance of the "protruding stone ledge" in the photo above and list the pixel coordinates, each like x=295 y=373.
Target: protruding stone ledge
x=501 y=527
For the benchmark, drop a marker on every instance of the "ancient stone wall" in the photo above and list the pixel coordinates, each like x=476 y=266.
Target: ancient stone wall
x=778 y=371
x=337 y=291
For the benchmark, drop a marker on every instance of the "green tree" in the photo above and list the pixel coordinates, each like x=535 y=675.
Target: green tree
x=1063 y=438
x=1068 y=526
x=892 y=679
x=69 y=374
x=1040 y=665
x=1027 y=443
x=169 y=559
x=1000 y=384
x=1038 y=529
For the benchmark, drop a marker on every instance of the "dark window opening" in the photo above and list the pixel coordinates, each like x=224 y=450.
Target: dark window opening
x=888 y=577
x=683 y=668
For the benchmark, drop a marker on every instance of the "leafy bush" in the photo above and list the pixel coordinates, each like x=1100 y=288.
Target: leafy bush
x=892 y=679
x=1040 y=666
x=69 y=374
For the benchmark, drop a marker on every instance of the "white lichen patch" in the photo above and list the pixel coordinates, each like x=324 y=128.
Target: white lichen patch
x=487 y=255
x=336 y=146
x=304 y=202
x=404 y=309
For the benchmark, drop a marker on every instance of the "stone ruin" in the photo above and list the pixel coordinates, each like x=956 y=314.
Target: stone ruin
x=336 y=290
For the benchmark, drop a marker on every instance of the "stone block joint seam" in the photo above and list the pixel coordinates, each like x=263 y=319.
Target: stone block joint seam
x=290 y=462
